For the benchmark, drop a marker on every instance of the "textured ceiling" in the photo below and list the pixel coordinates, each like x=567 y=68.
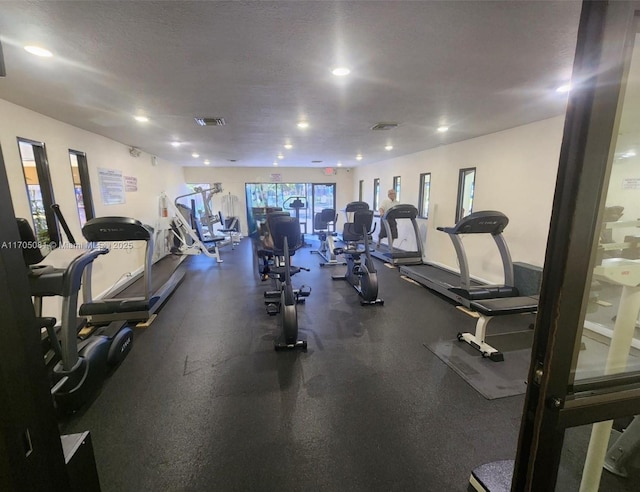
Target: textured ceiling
x=478 y=67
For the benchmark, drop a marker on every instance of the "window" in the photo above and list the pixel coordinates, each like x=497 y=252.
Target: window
x=39 y=190
x=81 y=185
x=396 y=186
x=425 y=193
x=376 y=194
x=466 y=185
x=361 y=190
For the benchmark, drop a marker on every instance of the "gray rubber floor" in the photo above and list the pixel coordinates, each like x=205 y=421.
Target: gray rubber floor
x=204 y=403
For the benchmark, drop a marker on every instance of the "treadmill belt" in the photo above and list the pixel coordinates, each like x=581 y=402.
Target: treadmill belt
x=160 y=273
x=426 y=274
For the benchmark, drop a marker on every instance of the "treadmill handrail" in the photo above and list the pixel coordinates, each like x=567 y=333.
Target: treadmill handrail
x=484 y=222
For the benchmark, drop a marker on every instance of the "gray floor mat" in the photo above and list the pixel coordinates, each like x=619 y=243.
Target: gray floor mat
x=491 y=379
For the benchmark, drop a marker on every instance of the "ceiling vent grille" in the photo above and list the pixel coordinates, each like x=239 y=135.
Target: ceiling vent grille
x=384 y=126
x=210 y=121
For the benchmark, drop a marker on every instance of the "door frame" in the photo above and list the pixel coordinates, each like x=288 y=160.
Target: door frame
x=552 y=402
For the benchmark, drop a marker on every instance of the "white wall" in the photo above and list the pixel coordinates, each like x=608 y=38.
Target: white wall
x=101 y=153
x=515 y=174
x=233 y=181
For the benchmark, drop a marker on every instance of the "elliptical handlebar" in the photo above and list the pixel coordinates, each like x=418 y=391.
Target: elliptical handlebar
x=58 y=213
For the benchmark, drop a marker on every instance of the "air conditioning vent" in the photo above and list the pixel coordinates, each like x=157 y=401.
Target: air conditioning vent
x=316 y=162
x=210 y=121
x=384 y=126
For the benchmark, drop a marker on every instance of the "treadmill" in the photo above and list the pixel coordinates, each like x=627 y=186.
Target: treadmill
x=397 y=256
x=137 y=301
x=458 y=285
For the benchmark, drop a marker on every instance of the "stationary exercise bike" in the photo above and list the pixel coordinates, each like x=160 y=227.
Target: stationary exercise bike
x=285 y=233
x=362 y=276
x=324 y=224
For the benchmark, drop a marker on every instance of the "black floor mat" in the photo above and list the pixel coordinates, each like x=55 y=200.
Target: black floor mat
x=491 y=379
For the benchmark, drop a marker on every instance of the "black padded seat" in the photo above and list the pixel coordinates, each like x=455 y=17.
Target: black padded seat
x=323 y=218
x=362 y=222
x=506 y=305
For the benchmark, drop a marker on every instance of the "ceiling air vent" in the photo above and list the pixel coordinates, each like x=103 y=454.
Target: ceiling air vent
x=210 y=121
x=316 y=162
x=384 y=126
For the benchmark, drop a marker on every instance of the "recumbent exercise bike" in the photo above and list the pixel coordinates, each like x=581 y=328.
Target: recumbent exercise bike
x=286 y=236
x=362 y=276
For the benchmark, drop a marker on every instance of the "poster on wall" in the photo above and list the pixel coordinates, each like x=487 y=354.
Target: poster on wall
x=631 y=184
x=130 y=184
x=111 y=186
x=276 y=178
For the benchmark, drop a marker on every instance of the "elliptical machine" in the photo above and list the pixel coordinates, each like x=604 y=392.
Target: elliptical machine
x=286 y=237
x=82 y=362
x=362 y=276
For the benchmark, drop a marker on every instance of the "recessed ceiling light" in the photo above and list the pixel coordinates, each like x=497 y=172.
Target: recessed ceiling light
x=38 y=51
x=340 y=71
x=176 y=144
x=141 y=119
x=206 y=162
x=275 y=163
x=339 y=164
x=303 y=124
x=388 y=147
x=195 y=155
x=280 y=156
x=288 y=146
x=564 y=88
x=359 y=157
x=443 y=129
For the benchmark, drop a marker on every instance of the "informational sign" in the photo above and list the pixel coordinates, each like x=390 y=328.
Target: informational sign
x=111 y=186
x=130 y=183
x=631 y=184
x=276 y=178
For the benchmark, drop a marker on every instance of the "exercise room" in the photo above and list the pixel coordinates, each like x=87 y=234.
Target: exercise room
x=345 y=245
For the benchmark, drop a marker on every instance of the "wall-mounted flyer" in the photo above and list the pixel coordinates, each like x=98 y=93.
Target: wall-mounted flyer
x=111 y=186
x=130 y=183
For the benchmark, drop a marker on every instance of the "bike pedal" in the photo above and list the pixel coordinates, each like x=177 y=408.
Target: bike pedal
x=304 y=291
x=273 y=309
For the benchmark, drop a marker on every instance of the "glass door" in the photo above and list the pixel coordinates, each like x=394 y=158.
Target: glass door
x=584 y=382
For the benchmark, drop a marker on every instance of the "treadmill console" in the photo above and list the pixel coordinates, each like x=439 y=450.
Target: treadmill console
x=106 y=229
x=485 y=222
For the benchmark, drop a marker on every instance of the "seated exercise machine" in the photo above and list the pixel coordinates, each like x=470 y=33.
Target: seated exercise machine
x=362 y=276
x=81 y=360
x=394 y=255
x=298 y=203
x=139 y=300
x=459 y=286
x=264 y=252
x=324 y=224
x=231 y=228
x=286 y=236
x=188 y=236
x=487 y=310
